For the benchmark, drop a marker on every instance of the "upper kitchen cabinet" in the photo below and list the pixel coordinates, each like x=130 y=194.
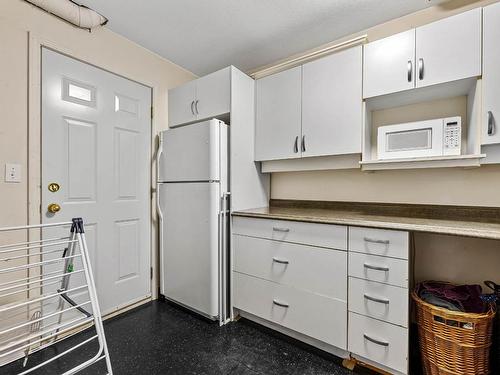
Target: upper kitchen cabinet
x=449 y=49
x=181 y=104
x=443 y=51
x=332 y=104
x=213 y=94
x=389 y=64
x=491 y=75
x=278 y=115
x=203 y=98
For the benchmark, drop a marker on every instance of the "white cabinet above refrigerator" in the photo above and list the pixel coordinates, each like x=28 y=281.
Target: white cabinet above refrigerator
x=201 y=99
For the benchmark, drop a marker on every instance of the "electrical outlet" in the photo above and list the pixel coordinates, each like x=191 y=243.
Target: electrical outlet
x=12 y=172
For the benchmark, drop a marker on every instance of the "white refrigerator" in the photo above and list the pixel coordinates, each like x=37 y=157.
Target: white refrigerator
x=193 y=195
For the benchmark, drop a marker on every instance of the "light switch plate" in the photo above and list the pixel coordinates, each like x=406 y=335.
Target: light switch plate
x=12 y=172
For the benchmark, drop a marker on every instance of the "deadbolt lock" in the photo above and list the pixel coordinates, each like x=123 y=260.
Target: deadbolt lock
x=53 y=187
x=53 y=208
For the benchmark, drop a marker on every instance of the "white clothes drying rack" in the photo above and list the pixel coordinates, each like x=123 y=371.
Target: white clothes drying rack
x=41 y=305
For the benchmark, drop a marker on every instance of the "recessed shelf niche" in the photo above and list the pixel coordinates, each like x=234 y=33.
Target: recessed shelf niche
x=459 y=98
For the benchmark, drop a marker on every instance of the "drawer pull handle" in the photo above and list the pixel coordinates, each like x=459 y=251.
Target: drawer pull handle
x=376 y=268
x=281 y=304
x=280 y=261
x=384 y=242
x=278 y=229
x=375 y=341
x=375 y=299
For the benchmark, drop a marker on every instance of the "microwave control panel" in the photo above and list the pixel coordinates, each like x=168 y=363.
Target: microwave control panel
x=452 y=136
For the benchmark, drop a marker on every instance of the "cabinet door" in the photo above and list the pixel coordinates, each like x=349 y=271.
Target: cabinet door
x=181 y=104
x=332 y=104
x=449 y=49
x=213 y=94
x=278 y=115
x=491 y=74
x=389 y=64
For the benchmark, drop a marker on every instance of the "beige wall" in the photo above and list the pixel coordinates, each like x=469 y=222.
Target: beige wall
x=477 y=187
x=23 y=28
x=13 y=126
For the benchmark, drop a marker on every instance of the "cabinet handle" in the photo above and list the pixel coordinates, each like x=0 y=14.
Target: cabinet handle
x=281 y=304
x=375 y=299
x=375 y=341
x=376 y=268
x=278 y=229
x=491 y=123
x=303 y=143
x=383 y=242
x=280 y=261
x=296 y=145
x=410 y=71
x=421 y=68
x=192 y=110
x=196 y=107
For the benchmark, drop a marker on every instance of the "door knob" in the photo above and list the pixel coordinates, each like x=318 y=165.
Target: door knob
x=53 y=208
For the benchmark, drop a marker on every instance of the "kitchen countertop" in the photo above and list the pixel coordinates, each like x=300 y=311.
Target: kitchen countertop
x=481 y=222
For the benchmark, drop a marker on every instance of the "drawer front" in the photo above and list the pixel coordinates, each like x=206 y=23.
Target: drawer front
x=381 y=301
x=316 y=316
x=314 y=269
x=378 y=341
x=383 y=242
x=324 y=235
x=376 y=268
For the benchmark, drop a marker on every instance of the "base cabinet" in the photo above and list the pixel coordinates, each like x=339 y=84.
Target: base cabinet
x=311 y=314
x=378 y=342
x=346 y=287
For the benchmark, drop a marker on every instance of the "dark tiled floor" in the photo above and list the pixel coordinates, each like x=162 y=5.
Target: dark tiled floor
x=159 y=338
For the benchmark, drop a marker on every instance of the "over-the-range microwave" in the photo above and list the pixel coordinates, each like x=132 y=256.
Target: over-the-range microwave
x=438 y=137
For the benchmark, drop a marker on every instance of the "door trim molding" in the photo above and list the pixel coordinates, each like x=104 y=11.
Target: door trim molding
x=34 y=169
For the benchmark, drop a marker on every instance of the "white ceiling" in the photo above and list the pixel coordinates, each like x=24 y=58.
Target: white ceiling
x=205 y=35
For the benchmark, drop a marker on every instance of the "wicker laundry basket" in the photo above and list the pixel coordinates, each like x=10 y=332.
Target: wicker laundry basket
x=451 y=342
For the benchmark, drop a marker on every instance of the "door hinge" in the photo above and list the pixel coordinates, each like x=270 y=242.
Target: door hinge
x=151 y=112
x=151 y=273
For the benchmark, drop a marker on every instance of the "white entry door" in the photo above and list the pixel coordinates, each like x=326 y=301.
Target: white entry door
x=96 y=132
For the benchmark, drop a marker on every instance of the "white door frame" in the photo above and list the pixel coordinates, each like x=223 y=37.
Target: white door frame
x=34 y=174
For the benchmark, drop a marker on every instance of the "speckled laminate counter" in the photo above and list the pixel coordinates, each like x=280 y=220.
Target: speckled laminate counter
x=481 y=222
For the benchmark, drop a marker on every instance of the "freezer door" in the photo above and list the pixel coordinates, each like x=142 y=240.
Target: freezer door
x=190 y=246
x=191 y=153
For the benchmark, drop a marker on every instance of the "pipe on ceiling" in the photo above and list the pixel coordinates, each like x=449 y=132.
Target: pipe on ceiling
x=76 y=14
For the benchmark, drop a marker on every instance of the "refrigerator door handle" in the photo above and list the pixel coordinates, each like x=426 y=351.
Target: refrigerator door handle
x=159 y=152
x=223 y=260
